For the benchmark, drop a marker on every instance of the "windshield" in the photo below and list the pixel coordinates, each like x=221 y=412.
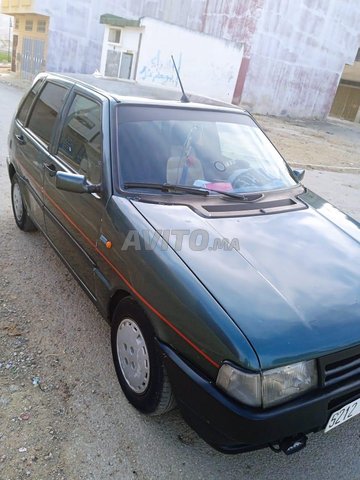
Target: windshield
x=214 y=150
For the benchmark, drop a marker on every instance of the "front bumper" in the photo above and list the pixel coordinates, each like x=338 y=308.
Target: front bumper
x=231 y=427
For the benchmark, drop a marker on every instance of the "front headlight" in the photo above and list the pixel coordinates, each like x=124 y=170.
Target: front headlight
x=270 y=387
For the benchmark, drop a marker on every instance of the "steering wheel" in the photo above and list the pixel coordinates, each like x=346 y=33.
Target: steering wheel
x=243 y=177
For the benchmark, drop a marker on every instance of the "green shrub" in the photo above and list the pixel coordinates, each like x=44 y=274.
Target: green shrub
x=4 y=57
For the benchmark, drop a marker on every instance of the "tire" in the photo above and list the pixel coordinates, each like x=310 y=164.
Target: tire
x=22 y=219
x=138 y=361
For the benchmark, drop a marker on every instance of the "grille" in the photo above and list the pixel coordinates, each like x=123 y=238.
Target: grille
x=341 y=367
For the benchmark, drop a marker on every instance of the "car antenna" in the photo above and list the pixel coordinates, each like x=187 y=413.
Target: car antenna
x=184 y=98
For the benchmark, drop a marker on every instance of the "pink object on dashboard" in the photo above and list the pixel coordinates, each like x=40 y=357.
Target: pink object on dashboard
x=221 y=186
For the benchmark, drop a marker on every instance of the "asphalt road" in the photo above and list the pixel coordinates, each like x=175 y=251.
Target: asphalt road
x=98 y=435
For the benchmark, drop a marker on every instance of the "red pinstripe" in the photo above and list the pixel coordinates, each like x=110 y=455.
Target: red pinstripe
x=123 y=278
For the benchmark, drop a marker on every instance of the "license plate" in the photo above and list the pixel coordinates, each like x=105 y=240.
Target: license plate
x=344 y=414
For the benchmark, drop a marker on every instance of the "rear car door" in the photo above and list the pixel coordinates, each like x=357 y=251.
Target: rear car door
x=32 y=133
x=73 y=219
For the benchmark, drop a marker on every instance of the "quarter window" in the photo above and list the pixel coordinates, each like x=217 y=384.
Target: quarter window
x=45 y=111
x=81 y=139
x=25 y=107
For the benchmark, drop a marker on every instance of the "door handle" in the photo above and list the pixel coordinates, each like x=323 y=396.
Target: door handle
x=50 y=167
x=20 y=139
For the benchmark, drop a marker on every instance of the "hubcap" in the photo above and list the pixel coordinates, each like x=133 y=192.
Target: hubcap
x=133 y=355
x=17 y=201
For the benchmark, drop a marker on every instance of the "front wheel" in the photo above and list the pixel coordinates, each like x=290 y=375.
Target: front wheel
x=22 y=219
x=138 y=361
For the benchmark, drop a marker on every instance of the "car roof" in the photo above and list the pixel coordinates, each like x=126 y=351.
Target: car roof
x=130 y=92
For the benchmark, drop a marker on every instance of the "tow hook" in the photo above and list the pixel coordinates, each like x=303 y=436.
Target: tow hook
x=290 y=445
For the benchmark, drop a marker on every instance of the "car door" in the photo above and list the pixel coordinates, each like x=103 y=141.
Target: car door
x=73 y=219
x=33 y=128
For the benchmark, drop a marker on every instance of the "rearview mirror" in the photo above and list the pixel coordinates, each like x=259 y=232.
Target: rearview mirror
x=298 y=173
x=72 y=182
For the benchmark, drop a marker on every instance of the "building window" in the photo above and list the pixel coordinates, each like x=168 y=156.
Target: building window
x=29 y=25
x=357 y=59
x=114 y=35
x=119 y=64
x=41 y=26
x=17 y=23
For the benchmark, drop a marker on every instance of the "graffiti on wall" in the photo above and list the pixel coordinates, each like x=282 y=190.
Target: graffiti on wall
x=160 y=70
x=207 y=65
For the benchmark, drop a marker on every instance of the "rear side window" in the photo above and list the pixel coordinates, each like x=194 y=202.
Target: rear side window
x=45 y=111
x=28 y=102
x=81 y=139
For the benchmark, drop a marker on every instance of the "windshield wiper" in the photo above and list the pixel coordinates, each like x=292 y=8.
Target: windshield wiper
x=168 y=187
x=243 y=197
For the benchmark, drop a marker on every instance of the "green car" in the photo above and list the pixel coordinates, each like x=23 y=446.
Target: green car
x=232 y=290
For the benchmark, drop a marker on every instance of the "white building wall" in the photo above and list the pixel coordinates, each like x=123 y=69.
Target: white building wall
x=294 y=50
x=207 y=65
x=297 y=56
x=4 y=32
x=75 y=34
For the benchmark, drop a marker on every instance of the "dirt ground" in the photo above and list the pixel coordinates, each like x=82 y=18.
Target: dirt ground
x=332 y=145
x=62 y=413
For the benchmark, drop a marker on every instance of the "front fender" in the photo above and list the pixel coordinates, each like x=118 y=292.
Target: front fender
x=183 y=312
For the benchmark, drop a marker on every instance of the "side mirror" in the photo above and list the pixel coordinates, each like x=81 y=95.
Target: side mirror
x=298 y=173
x=75 y=183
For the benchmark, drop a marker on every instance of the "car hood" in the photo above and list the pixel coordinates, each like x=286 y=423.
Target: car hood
x=290 y=282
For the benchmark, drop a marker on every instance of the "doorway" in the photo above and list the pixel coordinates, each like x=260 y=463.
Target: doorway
x=32 y=58
x=119 y=64
x=14 y=51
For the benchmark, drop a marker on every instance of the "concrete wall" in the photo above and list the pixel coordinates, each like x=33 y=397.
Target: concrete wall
x=75 y=34
x=75 y=39
x=294 y=50
x=298 y=54
x=207 y=65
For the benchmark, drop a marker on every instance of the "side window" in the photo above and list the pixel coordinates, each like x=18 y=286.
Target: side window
x=45 y=111
x=81 y=139
x=24 y=109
